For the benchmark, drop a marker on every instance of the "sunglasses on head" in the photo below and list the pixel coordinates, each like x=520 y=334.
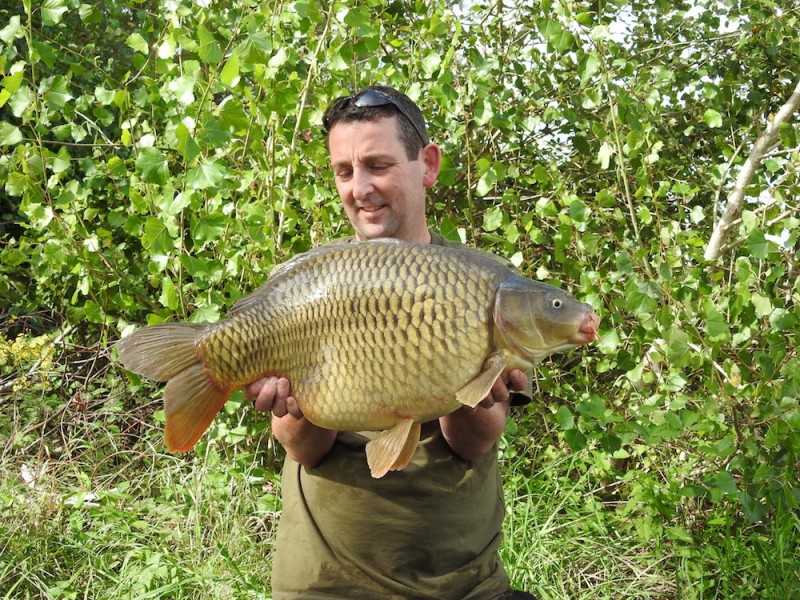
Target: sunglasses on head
x=369 y=98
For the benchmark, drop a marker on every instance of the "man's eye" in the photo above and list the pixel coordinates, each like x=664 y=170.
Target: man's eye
x=343 y=174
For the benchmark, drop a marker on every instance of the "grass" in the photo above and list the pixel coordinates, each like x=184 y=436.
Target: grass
x=92 y=507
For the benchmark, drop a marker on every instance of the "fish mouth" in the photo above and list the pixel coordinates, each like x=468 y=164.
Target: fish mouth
x=587 y=330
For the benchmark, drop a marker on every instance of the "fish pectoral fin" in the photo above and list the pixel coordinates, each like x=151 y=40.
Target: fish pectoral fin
x=392 y=450
x=478 y=388
x=191 y=401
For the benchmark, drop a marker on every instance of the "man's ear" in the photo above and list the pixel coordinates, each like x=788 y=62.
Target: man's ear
x=432 y=160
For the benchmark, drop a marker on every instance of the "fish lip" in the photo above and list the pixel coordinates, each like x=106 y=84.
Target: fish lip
x=589 y=329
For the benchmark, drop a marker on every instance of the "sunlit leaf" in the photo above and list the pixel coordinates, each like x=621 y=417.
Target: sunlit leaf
x=136 y=42
x=9 y=134
x=153 y=166
x=52 y=11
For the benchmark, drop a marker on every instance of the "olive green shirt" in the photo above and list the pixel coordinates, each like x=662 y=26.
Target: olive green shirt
x=430 y=531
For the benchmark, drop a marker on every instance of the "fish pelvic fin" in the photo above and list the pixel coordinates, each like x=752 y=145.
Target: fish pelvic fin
x=168 y=352
x=479 y=386
x=191 y=401
x=392 y=450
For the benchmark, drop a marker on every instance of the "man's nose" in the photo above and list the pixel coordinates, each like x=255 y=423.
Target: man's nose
x=362 y=184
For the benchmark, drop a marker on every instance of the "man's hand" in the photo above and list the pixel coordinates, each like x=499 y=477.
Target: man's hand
x=304 y=442
x=273 y=394
x=501 y=390
x=472 y=432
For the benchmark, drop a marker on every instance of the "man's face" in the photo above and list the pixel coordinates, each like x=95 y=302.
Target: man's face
x=383 y=192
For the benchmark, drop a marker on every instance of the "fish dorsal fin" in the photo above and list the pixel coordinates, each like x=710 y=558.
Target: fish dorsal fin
x=289 y=267
x=478 y=388
x=279 y=273
x=392 y=450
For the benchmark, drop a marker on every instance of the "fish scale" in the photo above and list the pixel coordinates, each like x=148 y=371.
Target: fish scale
x=370 y=335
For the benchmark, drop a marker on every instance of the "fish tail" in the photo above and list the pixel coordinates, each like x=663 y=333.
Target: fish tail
x=168 y=352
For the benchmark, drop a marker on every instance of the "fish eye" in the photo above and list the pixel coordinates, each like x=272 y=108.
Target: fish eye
x=556 y=303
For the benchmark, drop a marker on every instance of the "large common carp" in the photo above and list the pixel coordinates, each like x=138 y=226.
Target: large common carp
x=378 y=335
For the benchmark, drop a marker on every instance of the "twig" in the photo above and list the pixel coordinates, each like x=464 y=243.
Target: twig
x=736 y=200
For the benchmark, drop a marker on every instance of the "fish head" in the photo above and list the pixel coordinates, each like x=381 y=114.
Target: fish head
x=533 y=320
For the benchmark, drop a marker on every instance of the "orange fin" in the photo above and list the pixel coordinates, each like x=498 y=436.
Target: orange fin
x=191 y=401
x=160 y=352
x=168 y=352
x=478 y=388
x=393 y=449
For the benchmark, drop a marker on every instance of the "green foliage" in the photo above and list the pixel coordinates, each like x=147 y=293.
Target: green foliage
x=158 y=158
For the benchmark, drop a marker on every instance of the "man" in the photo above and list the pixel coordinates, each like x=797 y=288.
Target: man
x=433 y=529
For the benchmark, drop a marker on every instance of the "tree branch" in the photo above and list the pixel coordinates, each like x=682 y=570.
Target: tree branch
x=736 y=200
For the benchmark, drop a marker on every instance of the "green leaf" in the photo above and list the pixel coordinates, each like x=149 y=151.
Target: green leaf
x=209 y=228
x=561 y=39
x=57 y=95
x=153 y=166
x=716 y=327
x=104 y=96
x=210 y=51
x=492 y=218
x=431 y=62
x=565 y=418
x=230 y=72
x=604 y=155
x=677 y=345
x=576 y=440
x=169 y=294
x=12 y=31
x=206 y=175
x=641 y=297
x=183 y=89
x=205 y=314
x=20 y=101
x=186 y=144
x=137 y=43
x=9 y=134
x=712 y=118
x=52 y=11
x=233 y=116
x=256 y=48
x=762 y=304
x=757 y=244
x=156 y=236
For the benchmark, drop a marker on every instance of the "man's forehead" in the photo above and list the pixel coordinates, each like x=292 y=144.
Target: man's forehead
x=364 y=141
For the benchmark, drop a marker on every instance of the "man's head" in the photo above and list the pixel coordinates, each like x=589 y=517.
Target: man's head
x=377 y=102
x=382 y=163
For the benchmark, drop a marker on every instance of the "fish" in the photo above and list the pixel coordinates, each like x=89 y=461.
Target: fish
x=379 y=335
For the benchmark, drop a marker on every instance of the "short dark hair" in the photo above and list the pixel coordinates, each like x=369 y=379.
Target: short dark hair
x=410 y=122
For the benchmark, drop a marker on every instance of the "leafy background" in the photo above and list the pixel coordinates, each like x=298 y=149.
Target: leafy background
x=160 y=156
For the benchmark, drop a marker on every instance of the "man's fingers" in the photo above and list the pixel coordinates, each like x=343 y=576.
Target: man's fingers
x=517 y=380
x=265 y=401
x=292 y=408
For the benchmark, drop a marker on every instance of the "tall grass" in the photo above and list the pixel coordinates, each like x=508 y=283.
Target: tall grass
x=92 y=507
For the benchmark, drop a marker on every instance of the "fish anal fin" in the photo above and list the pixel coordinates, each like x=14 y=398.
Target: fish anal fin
x=191 y=401
x=478 y=387
x=407 y=453
x=392 y=450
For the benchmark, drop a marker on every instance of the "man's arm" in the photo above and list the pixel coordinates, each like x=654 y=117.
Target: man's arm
x=304 y=442
x=472 y=432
